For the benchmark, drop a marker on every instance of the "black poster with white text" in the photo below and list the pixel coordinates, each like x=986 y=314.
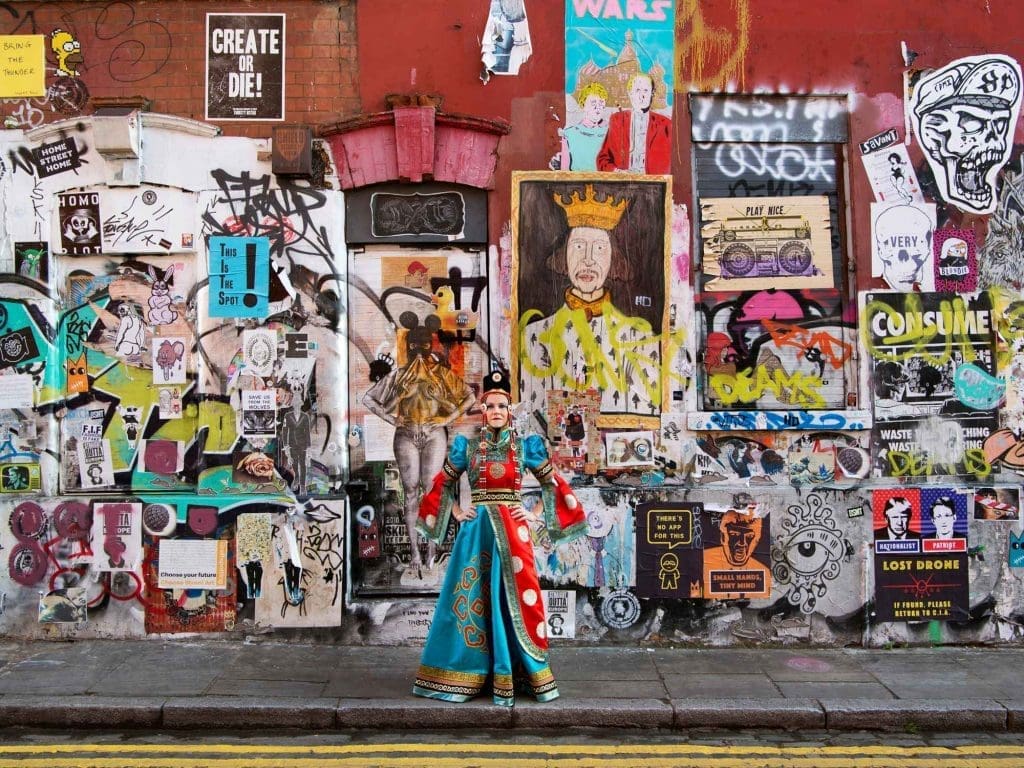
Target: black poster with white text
x=245 y=66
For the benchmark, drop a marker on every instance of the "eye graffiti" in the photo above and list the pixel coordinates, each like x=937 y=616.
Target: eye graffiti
x=808 y=553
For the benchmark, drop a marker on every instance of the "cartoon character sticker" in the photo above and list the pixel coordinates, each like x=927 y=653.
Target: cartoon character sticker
x=169 y=360
x=956 y=261
x=170 y=403
x=79 y=219
x=67 y=51
x=131 y=332
x=964 y=115
x=31 y=259
x=160 y=310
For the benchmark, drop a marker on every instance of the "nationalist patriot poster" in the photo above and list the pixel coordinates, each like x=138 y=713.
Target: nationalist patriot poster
x=921 y=568
x=619 y=80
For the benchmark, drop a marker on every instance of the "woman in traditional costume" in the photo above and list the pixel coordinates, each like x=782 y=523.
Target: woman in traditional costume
x=489 y=619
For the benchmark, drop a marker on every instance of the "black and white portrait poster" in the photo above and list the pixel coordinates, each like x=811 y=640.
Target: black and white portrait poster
x=921 y=562
x=935 y=388
x=245 y=66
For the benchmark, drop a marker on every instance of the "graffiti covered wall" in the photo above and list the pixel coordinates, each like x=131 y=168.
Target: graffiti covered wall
x=98 y=53
x=765 y=310
x=166 y=385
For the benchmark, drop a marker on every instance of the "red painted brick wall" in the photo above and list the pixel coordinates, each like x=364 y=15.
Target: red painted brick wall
x=792 y=47
x=158 y=50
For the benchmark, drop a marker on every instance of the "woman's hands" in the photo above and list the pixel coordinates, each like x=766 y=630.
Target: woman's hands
x=522 y=514
x=462 y=515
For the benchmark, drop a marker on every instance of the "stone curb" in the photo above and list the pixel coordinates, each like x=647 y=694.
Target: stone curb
x=1014 y=714
x=426 y=714
x=80 y=711
x=244 y=712
x=593 y=713
x=791 y=714
x=922 y=714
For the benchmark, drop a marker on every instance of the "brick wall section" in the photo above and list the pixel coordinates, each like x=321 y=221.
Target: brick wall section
x=158 y=50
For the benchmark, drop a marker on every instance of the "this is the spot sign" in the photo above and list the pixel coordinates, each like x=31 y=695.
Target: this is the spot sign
x=245 y=66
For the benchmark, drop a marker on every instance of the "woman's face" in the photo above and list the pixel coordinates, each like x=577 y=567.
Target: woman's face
x=496 y=410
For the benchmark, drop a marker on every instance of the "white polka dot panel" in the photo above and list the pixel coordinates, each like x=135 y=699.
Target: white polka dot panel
x=517 y=564
x=530 y=597
x=541 y=629
x=431 y=521
x=523 y=533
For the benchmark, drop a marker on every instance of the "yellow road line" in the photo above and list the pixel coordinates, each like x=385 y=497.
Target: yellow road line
x=473 y=748
x=681 y=760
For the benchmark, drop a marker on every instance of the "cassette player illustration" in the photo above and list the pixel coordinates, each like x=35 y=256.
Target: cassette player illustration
x=763 y=246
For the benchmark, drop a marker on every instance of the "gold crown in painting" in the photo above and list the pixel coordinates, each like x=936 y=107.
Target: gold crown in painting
x=587 y=211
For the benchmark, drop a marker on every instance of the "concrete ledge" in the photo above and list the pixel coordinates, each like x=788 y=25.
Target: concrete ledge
x=244 y=712
x=1014 y=714
x=593 y=713
x=420 y=713
x=748 y=713
x=80 y=711
x=922 y=714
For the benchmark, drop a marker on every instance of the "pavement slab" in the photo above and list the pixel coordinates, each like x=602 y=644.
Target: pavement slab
x=251 y=686
x=603 y=664
x=906 y=685
x=840 y=689
x=724 y=686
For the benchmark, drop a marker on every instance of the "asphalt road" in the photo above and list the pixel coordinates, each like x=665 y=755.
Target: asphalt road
x=580 y=748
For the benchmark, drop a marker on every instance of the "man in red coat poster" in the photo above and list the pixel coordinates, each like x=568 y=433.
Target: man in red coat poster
x=638 y=140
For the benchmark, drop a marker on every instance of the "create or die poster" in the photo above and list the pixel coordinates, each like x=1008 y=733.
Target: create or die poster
x=245 y=66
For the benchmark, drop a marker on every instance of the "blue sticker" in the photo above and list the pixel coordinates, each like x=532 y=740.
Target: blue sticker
x=977 y=388
x=1016 y=550
x=239 y=276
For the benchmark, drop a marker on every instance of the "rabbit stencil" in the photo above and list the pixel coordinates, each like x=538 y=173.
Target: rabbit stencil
x=160 y=312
